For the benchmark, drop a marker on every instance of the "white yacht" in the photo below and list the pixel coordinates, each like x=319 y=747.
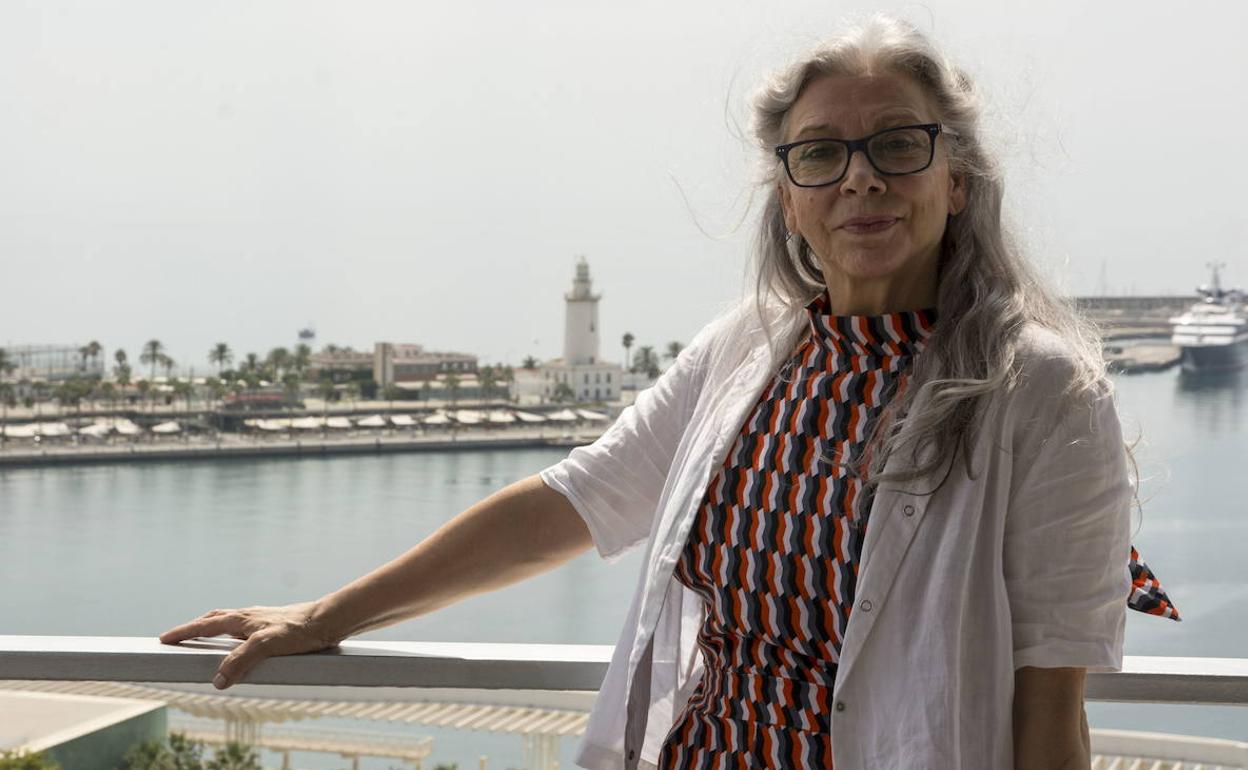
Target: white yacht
x=1213 y=333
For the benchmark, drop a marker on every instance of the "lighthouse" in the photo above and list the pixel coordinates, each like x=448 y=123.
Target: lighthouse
x=580 y=376
x=580 y=326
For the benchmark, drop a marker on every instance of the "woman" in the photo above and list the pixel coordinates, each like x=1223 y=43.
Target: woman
x=904 y=429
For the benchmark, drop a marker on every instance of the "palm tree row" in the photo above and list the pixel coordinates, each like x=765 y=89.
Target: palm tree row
x=647 y=359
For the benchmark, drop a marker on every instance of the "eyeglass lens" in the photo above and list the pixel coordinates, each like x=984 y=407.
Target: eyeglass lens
x=900 y=151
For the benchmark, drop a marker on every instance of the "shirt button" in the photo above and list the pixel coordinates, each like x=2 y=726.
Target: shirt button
x=866 y=605
x=631 y=753
x=840 y=705
x=908 y=509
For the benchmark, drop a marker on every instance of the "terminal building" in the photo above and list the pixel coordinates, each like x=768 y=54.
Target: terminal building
x=53 y=363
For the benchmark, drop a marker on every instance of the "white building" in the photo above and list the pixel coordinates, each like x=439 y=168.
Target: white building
x=580 y=369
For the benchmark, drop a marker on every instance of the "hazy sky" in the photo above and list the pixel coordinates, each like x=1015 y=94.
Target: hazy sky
x=421 y=172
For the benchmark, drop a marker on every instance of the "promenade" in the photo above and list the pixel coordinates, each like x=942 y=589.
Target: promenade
x=236 y=446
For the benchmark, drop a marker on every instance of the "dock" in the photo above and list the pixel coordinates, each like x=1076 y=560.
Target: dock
x=1132 y=359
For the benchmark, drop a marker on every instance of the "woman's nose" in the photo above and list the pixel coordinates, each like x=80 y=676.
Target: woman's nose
x=861 y=177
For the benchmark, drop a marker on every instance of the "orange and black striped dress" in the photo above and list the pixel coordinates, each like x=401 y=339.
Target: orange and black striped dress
x=776 y=542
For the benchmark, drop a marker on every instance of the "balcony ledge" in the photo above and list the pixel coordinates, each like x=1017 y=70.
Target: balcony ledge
x=395 y=666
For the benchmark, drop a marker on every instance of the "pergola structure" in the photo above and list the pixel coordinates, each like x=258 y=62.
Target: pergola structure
x=245 y=719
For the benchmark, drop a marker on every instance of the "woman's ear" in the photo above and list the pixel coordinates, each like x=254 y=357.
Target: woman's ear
x=957 y=193
x=786 y=207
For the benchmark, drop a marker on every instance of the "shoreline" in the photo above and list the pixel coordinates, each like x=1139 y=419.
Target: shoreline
x=62 y=455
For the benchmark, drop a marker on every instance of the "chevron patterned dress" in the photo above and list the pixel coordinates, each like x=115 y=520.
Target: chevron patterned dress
x=776 y=542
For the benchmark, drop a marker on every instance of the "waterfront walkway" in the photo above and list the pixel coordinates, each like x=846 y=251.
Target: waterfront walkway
x=230 y=446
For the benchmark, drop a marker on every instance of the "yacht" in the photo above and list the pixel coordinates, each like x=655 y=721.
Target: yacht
x=1213 y=334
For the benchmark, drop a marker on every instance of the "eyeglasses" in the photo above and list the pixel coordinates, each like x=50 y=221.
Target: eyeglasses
x=892 y=152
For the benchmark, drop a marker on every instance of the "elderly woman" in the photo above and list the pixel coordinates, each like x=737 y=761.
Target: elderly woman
x=885 y=504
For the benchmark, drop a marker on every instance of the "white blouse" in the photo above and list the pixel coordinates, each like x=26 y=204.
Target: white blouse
x=1020 y=565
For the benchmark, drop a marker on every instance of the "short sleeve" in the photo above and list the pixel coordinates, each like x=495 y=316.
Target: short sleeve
x=615 y=483
x=1066 y=536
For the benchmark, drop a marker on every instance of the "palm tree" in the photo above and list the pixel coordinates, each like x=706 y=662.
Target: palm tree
x=8 y=398
x=628 y=345
x=216 y=387
x=487 y=377
x=301 y=359
x=153 y=352
x=221 y=356
x=508 y=377
x=185 y=390
x=529 y=363
x=251 y=363
x=145 y=389
x=452 y=386
x=90 y=350
x=279 y=360
x=563 y=393
x=353 y=393
x=646 y=361
x=108 y=392
x=234 y=756
x=673 y=350
x=290 y=387
x=6 y=364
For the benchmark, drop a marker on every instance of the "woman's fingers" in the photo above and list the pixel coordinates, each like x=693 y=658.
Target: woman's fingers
x=207 y=625
x=267 y=632
x=241 y=659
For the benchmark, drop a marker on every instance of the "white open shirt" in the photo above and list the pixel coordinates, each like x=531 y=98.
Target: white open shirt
x=1026 y=564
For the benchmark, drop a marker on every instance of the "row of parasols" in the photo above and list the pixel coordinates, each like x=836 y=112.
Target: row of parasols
x=101 y=428
x=106 y=426
x=441 y=417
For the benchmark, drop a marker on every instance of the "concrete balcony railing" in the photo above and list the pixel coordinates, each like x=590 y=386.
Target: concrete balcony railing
x=558 y=676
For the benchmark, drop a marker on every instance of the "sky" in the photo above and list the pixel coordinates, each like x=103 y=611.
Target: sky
x=430 y=172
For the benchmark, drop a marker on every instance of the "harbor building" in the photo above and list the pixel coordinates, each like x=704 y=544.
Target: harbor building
x=580 y=373
x=395 y=363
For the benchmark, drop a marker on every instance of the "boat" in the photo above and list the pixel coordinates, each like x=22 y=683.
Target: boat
x=1213 y=334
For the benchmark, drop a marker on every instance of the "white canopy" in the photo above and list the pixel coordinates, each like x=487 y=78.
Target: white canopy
x=439 y=418
x=126 y=427
x=468 y=416
x=307 y=423
x=500 y=416
x=53 y=429
x=591 y=416
x=402 y=420
x=563 y=415
x=167 y=427
x=21 y=431
x=372 y=421
x=338 y=423
x=95 y=430
x=529 y=417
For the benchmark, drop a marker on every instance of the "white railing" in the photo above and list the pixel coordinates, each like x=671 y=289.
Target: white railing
x=552 y=676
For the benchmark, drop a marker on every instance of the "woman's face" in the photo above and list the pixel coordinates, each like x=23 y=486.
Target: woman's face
x=906 y=245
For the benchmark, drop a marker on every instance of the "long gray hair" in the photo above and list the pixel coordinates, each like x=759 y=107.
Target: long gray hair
x=987 y=291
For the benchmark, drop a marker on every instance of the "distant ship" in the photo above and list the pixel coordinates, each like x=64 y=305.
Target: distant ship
x=1213 y=333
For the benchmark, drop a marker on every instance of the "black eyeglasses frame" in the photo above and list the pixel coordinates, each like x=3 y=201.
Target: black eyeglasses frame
x=854 y=145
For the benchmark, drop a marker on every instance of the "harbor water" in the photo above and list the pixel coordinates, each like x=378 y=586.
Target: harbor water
x=130 y=550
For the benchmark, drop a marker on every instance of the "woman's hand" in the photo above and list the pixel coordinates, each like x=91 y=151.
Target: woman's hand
x=267 y=631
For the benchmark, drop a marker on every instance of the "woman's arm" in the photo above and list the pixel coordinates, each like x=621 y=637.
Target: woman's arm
x=1050 y=726
x=521 y=530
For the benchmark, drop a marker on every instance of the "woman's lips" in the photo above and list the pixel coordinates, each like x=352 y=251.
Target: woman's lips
x=868 y=226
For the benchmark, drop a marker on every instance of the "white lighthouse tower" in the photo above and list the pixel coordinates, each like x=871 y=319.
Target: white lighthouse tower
x=580 y=327
x=580 y=376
